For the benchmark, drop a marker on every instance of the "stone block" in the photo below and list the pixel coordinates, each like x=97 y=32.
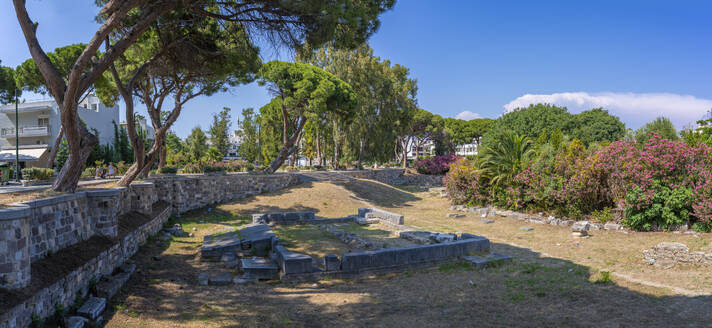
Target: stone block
x=203 y=278
x=454 y=215
x=612 y=226
x=259 y=268
x=388 y=217
x=76 y=322
x=332 y=262
x=442 y=237
x=291 y=262
x=581 y=226
x=526 y=228
x=487 y=221
x=220 y=279
x=92 y=308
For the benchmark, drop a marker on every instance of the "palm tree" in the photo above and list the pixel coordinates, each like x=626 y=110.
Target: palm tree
x=501 y=162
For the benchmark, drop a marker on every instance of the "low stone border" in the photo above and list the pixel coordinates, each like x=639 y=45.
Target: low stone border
x=536 y=219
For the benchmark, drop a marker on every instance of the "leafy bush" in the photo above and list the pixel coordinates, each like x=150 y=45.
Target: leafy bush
x=37 y=173
x=211 y=167
x=604 y=215
x=658 y=207
x=168 y=170
x=436 y=165
x=464 y=184
x=89 y=172
x=237 y=166
x=192 y=168
x=656 y=185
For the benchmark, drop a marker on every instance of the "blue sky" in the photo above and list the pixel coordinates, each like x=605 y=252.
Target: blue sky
x=639 y=59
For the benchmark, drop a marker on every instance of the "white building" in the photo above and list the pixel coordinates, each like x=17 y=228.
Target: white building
x=141 y=124
x=233 y=150
x=426 y=149
x=38 y=126
x=469 y=149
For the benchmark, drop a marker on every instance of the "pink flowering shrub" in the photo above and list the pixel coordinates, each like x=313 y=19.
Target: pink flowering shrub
x=658 y=185
x=435 y=165
x=464 y=185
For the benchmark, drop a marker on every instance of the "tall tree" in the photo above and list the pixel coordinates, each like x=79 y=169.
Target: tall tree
x=380 y=91
x=293 y=22
x=7 y=84
x=197 y=144
x=661 y=125
x=597 y=125
x=248 y=133
x=304 y=92
x=219 y=130
x=423 y=127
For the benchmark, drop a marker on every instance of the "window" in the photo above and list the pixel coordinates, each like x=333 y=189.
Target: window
x=95 y=107
x=43 y=121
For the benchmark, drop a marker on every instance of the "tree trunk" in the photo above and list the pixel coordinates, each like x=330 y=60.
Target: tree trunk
x=288 y=147
x=406 y=141
x=162 y=157
x=336 y=146
x=318 y=147
x=79 y=151
x=55 y=149
x=361 y=145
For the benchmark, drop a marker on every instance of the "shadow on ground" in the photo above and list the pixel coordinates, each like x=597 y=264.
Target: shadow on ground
x=533 y=291
x=377 y=193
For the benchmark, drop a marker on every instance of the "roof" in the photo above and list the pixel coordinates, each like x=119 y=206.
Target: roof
x=27 y=155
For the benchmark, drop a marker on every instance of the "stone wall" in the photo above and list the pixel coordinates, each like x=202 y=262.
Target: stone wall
x=14 y=248
x=29 y=231
x=396 y=177
x=406 y=257
x=187 y=192
x=65 y=289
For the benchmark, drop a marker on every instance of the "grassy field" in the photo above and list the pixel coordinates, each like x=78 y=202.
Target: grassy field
x=554 y=281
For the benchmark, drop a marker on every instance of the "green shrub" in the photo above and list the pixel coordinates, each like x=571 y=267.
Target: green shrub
x=89 y=172
x=192 y=168
x=214 y=168
x=604 y=215
x=37 y=173
x=168 y=170
x=660 y=206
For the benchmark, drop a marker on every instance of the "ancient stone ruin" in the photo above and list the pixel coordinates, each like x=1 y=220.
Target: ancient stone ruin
x=262 y=256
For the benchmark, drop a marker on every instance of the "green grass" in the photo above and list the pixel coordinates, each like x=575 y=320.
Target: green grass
x=605 y=278
x=450 y=267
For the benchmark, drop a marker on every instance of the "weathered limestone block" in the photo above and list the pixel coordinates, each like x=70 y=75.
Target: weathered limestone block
x=387 y=217
x=103 y=211
x=92 y=308
x=291 y=262
x=260 y=268
x=332 y=262
x=142 y=195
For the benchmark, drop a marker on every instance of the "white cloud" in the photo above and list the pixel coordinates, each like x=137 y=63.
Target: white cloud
x=467 y=115
x=634 y=109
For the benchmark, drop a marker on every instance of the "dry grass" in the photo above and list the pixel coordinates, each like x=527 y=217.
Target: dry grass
x=24 y=196
x=554 y=281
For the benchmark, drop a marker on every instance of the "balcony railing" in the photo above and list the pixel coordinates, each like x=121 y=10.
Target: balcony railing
x=25 y=131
